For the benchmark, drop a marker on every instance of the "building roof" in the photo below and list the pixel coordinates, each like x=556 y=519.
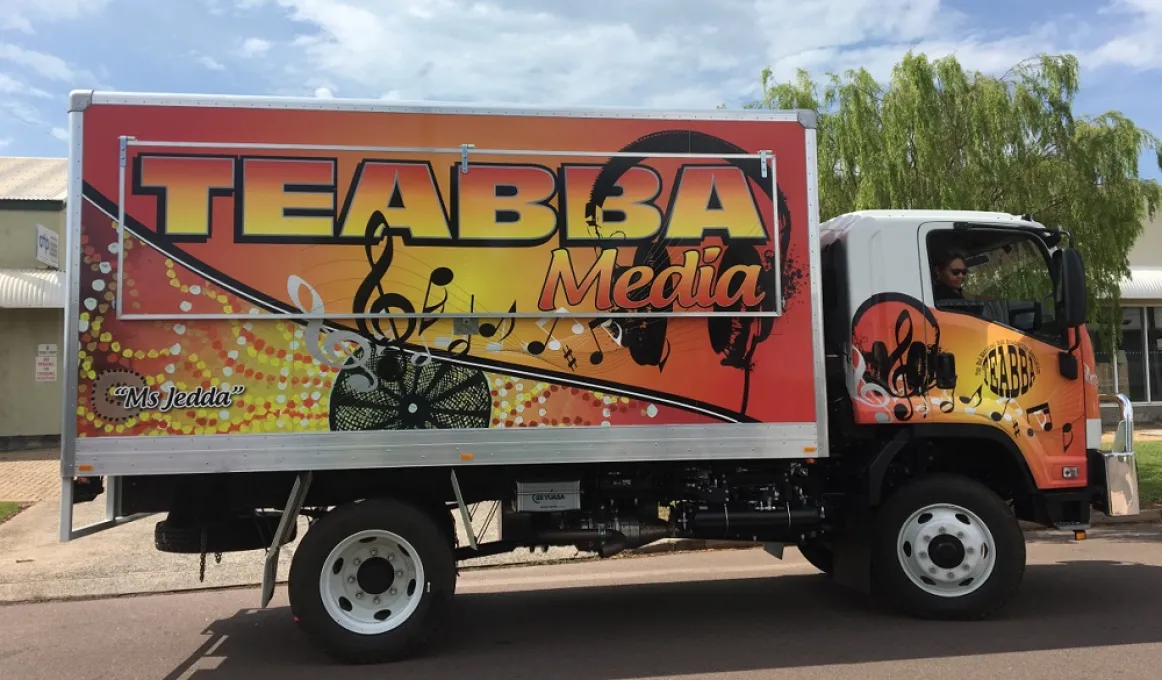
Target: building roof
x=32 y=289
x=33 y=179
x=1144 y=283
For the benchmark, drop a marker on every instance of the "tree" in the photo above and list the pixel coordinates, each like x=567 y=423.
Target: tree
x=937 y=136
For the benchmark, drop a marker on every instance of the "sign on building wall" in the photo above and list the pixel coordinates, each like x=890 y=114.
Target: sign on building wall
x=47 y=246
x=46 y=356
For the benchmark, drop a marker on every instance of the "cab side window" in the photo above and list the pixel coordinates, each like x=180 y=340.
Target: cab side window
x=999 y=275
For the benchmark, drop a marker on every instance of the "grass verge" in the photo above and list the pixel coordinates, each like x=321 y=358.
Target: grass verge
x=1149 y=455
x=8 y=510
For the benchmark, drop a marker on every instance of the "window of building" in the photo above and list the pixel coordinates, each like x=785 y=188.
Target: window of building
x=1135 y=367
x=1154 y=353
x=1107 y=368
x=1133 y=353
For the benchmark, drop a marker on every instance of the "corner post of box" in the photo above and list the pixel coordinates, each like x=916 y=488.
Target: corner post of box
x=79 y=101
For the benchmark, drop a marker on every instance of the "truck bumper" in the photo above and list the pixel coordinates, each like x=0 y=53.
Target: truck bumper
x=1112 y=487
x=1114 y=473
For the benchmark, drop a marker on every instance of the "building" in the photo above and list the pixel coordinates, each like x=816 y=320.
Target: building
x=32 y=221
x=1135 y=368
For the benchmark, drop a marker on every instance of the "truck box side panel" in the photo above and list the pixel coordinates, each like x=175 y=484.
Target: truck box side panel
x=233 y=324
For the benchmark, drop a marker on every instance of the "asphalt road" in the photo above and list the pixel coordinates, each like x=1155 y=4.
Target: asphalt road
x=1086 y=610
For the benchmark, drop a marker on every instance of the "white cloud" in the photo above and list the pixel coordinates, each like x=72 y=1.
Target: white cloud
x=7 y=141
x=1140 y=47
x=211 y=63
x=21 y=111
x=10 y=85
x=521 y=51
x=60 y=133
x=324 y=93
x=45 y=65
x=20 y=15
x=674 y=53
x=252 y=47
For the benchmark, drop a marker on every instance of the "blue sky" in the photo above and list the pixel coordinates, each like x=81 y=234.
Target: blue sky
x=667 y=53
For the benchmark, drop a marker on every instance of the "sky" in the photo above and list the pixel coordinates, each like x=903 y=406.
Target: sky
x=686 y=54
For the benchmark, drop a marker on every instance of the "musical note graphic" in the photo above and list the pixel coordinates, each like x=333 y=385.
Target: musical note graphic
x=572 y=360
x=536 y=347
x=440 y=276
x=945 y=402
x=489 y=330
x=598 y=354
x=975 y=400
x=1045 y=421
x=1003 y=413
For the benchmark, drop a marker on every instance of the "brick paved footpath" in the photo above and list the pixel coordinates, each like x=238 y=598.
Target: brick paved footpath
x=29 y=476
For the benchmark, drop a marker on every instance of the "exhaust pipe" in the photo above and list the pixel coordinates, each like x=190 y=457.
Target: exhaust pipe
x=605 y=539
x=724 y=523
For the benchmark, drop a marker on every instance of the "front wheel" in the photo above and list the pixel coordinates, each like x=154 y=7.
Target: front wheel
x=947 y=547
x=372 y=581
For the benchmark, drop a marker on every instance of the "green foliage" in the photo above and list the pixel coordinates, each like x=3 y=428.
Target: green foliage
x=8 y=510
x=938 y=136
x=1149 y=457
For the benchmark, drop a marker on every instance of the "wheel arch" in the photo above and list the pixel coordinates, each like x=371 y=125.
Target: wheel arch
x=976 y=451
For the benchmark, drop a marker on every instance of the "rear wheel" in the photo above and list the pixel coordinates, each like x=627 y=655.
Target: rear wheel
x=372 y=581
x=947 y=547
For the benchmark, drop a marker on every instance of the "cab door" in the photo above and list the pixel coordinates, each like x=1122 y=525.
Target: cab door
x=1007 y=346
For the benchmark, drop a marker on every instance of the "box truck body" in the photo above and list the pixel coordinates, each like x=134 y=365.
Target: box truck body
x=575 y=280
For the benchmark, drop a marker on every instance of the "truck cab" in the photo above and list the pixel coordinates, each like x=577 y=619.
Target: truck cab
x=962 y=332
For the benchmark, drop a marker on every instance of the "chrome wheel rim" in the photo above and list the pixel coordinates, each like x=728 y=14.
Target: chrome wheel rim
x=946 y=550
x=371 y=582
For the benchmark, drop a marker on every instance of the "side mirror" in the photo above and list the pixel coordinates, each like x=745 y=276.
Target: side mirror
x=1073 y=293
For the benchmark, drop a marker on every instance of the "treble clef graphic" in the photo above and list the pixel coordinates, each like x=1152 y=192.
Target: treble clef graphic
x=322 y=340
x=377 y=227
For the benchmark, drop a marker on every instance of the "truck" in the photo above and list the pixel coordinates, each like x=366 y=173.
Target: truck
x=617 y=326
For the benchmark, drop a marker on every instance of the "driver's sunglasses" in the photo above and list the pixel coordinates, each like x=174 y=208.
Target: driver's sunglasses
x=958 y=272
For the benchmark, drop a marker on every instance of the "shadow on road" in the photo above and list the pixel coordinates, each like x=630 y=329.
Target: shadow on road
x=613 y=633
x=1127 y=533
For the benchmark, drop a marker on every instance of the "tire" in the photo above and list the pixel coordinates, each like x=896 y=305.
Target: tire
x=961 y=519
x=408 y=570
x=819 y=555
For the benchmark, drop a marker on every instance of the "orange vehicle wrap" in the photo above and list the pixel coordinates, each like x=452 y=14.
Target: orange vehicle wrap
x=1004 y=380
x=264 y=234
